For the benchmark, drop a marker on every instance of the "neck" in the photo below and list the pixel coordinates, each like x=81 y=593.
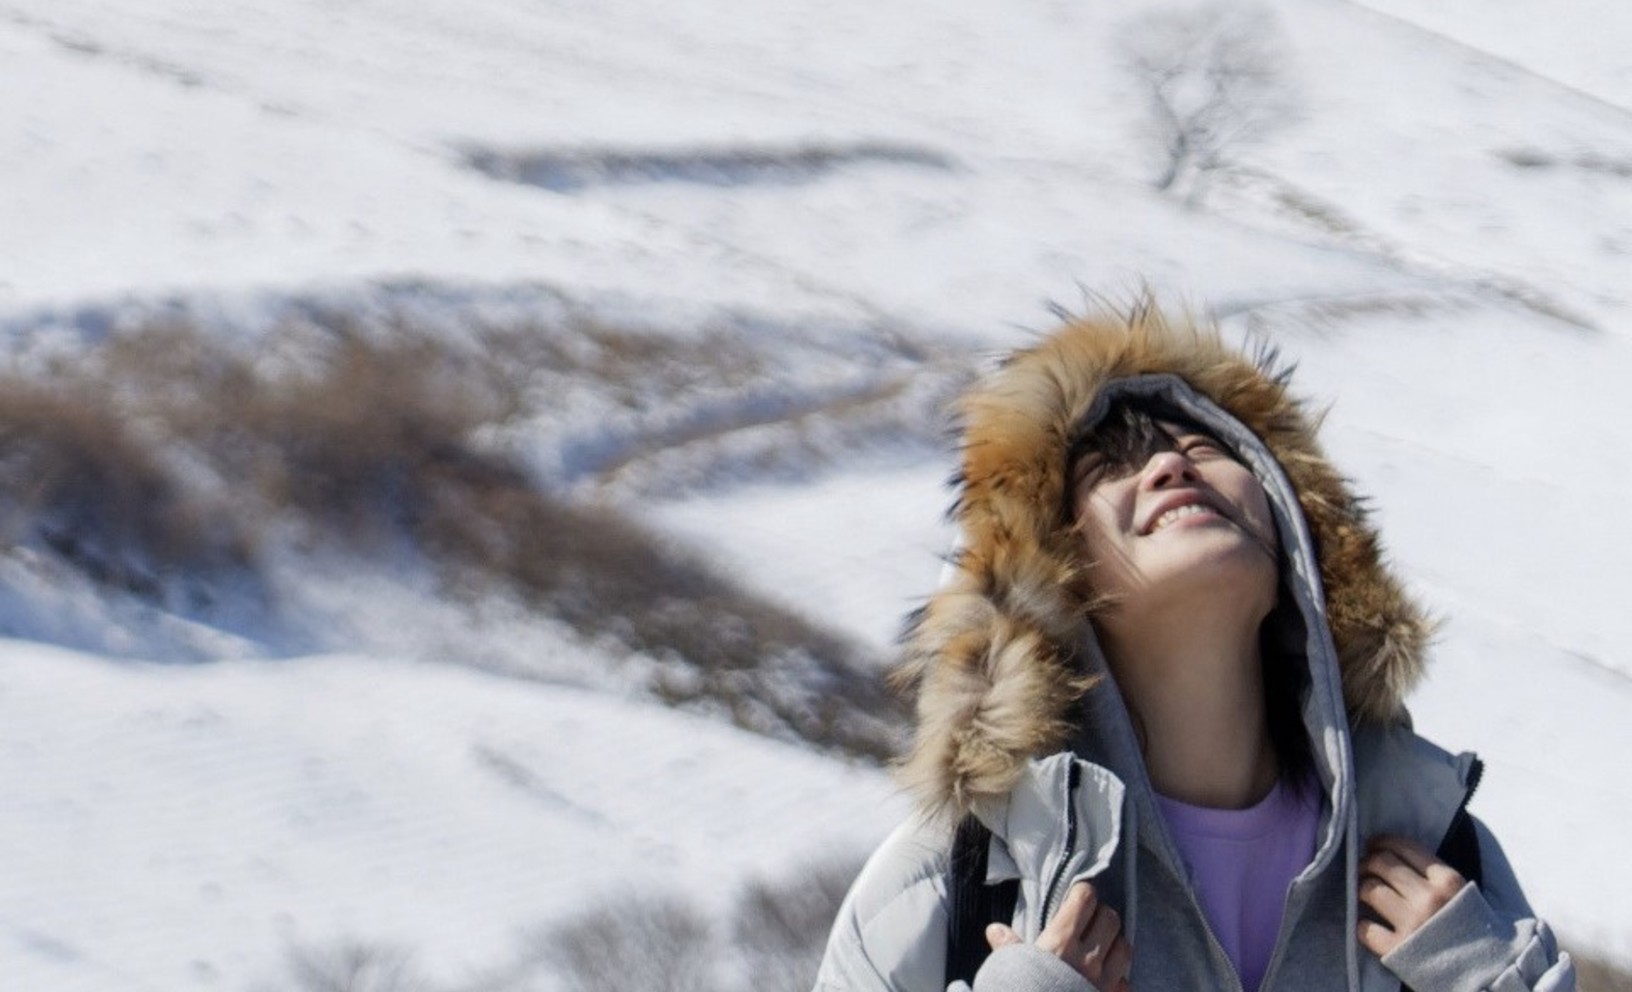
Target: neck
x=1196 y=691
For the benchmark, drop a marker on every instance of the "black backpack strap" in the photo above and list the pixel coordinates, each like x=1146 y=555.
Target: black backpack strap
x=971 y=903
x=1460 y=848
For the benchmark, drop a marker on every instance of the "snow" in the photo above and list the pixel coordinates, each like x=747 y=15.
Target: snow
x=183 y=825
x=1499 y=504
x=1439 y=237
x=858 y=549
x=1579 y=46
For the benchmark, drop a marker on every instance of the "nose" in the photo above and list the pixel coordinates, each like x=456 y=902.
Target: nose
x=1167 y=468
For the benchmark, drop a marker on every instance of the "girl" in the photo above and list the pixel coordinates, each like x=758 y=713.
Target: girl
x=1160 y=700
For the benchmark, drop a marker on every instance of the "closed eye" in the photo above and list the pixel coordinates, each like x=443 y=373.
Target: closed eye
x=1197 y=445
x=1089 y=468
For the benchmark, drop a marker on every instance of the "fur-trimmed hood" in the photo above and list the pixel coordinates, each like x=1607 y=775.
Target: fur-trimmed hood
x=995 y=654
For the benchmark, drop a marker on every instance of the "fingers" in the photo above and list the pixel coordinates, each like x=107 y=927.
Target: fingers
x=1387 y=867
x=1114 y=972
x=1075 y=914
x=999 y=935
x=1408 y=851
x=1405 y=886
x=1407 y=866
x=1098 y=941
x=1087 y=934
x=1097 y=937
x=1376 y=938
x=1079 y=905
x=1382 y=899
x=1444 y=883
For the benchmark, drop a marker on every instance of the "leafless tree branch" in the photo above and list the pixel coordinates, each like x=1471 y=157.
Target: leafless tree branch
x=1215 y=77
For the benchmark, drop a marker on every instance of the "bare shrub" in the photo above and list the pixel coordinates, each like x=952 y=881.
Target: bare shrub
x=771 y=670
x=76 y=476
x=166 y=449
x=781 y=925
x=353 y=444
x=775 y=938
x=1215 y=78
x=656 y=943
x=353 y=967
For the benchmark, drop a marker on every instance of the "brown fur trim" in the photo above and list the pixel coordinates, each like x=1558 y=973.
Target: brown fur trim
x=990 y=653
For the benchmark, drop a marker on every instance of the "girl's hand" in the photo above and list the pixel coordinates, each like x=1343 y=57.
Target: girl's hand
x=1403 y=885
x=1086 y=934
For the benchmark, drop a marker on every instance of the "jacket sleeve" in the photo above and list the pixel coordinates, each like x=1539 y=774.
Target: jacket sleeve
x=1486 y=939
x=890 y=933
x=1026 y=968
x=850 y=966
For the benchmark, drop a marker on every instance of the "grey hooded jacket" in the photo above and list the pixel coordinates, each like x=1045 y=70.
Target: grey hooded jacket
x=1019 y=724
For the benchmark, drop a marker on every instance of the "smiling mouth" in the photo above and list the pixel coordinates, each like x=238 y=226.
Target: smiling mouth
x=1179 y=513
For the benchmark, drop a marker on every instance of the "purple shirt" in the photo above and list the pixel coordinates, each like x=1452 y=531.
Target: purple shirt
x=1241 y=863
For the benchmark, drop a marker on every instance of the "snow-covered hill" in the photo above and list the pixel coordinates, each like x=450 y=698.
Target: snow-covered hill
x=863 y=203
x=177 y=827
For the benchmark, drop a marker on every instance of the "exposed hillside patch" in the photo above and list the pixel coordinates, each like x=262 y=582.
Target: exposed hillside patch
x=572 y=170
x=161 y=458
x=80 y=479
x=1536 y=158
x=1280 y=202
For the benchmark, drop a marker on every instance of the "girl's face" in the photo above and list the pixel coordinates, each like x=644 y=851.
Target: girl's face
x=1174 y=518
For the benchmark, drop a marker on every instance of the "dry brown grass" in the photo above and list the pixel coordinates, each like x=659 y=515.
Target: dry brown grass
x=607 y=576
x=165 y=451
x=357 y=446
x=80 y=478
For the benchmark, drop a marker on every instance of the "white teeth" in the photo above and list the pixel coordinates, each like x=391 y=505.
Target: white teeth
x=1187 y=510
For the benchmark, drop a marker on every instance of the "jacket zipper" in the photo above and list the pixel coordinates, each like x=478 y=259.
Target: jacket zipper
x=1072 y=781
x=1476 y=774
x=1053 y=895
x=1218 y=946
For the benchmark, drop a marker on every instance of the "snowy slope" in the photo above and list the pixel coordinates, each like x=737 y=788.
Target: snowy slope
x=182 y=826
x=1580 y=46
x=244 y=181
x=1438 y=235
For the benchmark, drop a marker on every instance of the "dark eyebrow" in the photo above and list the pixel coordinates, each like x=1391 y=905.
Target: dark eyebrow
x=1081 y=448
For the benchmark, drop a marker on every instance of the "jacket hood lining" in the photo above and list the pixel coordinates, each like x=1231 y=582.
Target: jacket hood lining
x=1324 y=715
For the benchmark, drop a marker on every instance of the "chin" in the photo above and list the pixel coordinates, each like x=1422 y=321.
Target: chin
x=1227 y=554
x=1234 y=572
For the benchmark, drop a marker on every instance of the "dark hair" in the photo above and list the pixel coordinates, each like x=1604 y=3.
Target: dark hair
x=1120 y=443
x=1123 y=440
